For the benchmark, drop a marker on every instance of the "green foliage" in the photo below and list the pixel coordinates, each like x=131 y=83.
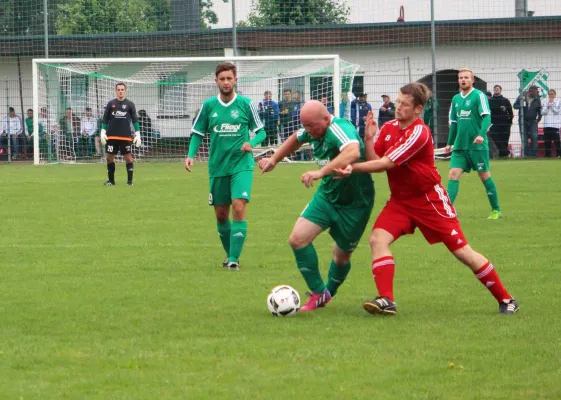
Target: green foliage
x=19 y=19
x=208 y=16
x=303 y=12
x=111 y=16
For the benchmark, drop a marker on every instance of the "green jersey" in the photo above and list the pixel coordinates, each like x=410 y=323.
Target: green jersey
x=228 y=125
x=467 y=112
x=29 y=126
x=357 y=189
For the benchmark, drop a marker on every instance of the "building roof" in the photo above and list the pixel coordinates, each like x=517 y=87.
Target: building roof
x=212 y=42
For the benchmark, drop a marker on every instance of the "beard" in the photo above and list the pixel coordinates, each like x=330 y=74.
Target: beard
x=226 y=91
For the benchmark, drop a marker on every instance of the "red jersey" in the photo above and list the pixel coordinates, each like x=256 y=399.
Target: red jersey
x=411 y=149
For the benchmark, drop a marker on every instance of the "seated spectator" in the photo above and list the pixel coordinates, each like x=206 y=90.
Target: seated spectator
x=551 y=111
x=12 y=133
x=43 y=145
x=69 y=126
x=89 y=139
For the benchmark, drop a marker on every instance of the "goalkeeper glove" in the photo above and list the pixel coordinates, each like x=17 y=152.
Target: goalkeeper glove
x=103 y=137
x=137 y=142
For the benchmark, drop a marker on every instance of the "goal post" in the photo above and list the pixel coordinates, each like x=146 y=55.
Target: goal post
x=70 y=94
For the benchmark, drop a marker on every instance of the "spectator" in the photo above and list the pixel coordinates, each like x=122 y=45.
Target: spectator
x=428 y=114
x=551 y=111
x=386 y=112
x=529 y=116
x=49 y=132
x=269 y=113
x=323 y=101
x=145 y=123
x=285 y=112
x=344 y=107
x=501 y=120
x=30 y=138
x=69 y=126
x=90 y=134
x=12 y=130
x=359 y=110
x=297 y=101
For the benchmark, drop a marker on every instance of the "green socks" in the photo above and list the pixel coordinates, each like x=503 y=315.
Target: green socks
x=238 y=233
x=224 y=234
x=336 y=277
x=491 y=190
x=452 y=189
x=307 y=262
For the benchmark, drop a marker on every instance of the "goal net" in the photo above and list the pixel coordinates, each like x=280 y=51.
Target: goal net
x=71 y=94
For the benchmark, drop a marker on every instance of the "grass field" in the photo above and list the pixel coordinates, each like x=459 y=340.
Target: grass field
x=118 y=293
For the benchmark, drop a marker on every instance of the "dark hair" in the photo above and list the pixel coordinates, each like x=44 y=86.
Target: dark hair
x=287 y=90
x=142 y=113
x=11 y=109
x=30 y=109
x=226 y=66
x=499 y=86
x=68 y=108
x=418 y=91
x=121 y=84
x=88 y=109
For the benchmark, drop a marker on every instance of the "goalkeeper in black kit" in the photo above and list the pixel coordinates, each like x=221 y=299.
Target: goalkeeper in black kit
x=116 y=132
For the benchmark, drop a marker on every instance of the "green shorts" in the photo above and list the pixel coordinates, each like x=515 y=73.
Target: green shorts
x=224 y=189
x=346 y=223
x=477 y=160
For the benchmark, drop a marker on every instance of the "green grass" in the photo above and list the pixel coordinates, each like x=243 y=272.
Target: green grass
x=118 y=293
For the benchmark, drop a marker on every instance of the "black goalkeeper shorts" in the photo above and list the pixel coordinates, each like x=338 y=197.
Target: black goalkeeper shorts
x=115 y=146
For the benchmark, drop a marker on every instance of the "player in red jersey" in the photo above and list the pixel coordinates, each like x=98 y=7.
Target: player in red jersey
x=404 y=149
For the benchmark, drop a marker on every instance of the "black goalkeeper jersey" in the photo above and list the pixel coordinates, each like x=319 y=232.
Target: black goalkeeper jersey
x=119 y=117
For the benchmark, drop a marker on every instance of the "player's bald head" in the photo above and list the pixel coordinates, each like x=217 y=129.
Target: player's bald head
x=315 y=118
x=313 y=110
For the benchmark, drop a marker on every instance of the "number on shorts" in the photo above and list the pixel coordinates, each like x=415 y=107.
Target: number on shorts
x=110 y=149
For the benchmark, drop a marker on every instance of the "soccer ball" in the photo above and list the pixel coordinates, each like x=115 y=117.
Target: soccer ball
x=283 y=301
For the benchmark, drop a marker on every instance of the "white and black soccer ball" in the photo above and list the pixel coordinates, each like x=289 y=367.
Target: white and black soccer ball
x=283 y=301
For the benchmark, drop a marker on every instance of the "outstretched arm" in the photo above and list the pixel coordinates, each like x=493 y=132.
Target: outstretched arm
x=349 y=154
x=288 y=147
x=381 y=165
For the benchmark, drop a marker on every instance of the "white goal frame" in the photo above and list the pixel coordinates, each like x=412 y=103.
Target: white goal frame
x=36 y=157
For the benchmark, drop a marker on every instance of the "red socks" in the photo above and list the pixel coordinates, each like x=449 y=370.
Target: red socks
x=383 y=270
x=488 y=276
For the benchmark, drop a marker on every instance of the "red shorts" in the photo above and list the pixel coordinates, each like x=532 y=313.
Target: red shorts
x=433 y=214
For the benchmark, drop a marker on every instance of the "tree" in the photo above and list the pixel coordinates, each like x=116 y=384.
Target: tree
x=111 y=16
x=301 y=12
x=208 y=16
x=17 y=19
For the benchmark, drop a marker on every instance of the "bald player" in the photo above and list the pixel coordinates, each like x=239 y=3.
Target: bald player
x=342 y=205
